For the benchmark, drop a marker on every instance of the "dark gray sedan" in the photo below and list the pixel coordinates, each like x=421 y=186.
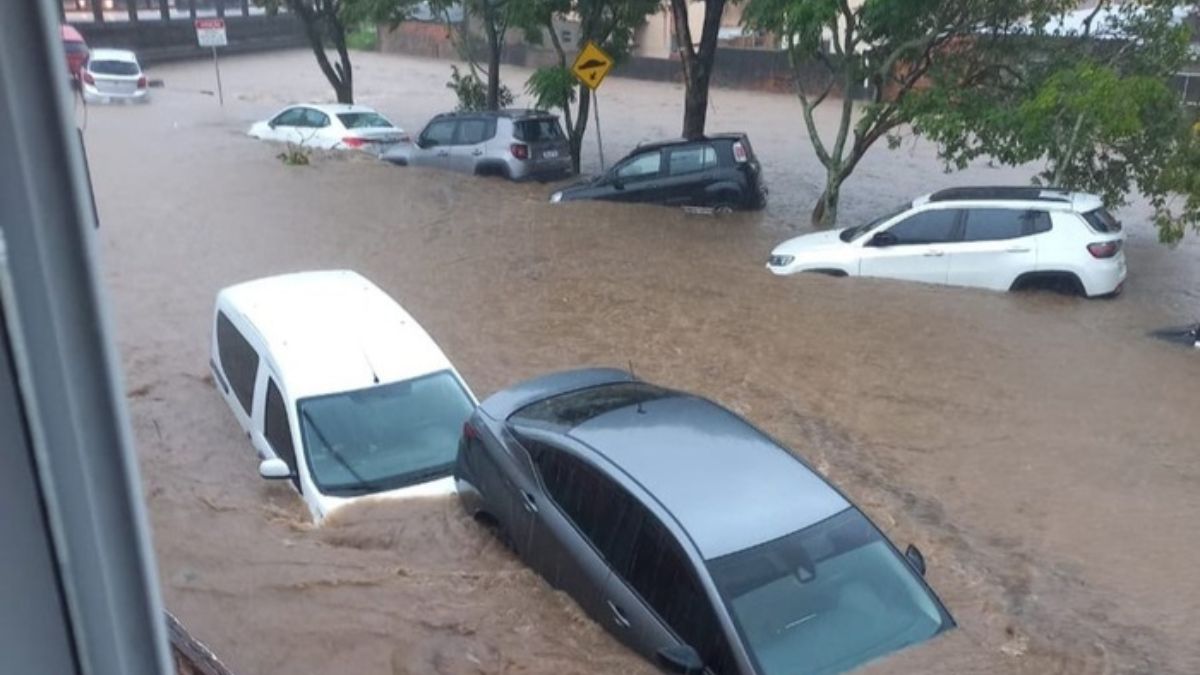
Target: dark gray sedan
x=693 y=537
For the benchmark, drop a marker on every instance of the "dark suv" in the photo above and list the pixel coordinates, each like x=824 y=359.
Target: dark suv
x=719 y=172
x=697 y=540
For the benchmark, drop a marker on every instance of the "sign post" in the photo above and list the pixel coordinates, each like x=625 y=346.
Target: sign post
x=211 y=33
x=591 y=67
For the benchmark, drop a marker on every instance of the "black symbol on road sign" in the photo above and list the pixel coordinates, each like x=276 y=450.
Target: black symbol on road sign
x=593 y=65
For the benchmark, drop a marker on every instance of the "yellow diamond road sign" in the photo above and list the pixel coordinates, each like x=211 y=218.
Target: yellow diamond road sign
x=592 y=65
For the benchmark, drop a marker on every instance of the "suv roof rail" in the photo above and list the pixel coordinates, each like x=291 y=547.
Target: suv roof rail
x=1003 y=193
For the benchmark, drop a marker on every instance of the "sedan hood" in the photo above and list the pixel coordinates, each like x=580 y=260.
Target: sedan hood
x=808 y=243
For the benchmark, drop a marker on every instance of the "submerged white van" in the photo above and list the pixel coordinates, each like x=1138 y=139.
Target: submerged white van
x=339 y=389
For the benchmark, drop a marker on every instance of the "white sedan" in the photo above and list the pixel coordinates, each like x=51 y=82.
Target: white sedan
x=331 y=127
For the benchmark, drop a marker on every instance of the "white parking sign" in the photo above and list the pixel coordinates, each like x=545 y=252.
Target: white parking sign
x=211 y=32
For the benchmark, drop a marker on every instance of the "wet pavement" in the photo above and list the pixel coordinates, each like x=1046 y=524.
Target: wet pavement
x=1041 y=450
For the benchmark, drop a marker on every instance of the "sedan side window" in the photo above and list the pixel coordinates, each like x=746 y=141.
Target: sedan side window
x=928 y=227
x=643 y=166
x=277 y=428
x=315 y=118
x=292 y=117
x=439 y=133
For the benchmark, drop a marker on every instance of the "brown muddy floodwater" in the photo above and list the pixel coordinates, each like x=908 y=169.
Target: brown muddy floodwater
x=1040 y=450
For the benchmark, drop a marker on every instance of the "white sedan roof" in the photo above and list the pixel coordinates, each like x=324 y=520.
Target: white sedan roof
x=112 y=55
x=333 y=331
x=335 y=108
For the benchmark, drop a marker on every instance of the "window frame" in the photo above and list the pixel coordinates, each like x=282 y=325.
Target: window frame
x=297 y=110
x=322 y=119
x=288 y=456
x=707 y=150
x=956 y=231
x=458 y=138
x=642 y=176
x=424 y=138
x=1026 y=224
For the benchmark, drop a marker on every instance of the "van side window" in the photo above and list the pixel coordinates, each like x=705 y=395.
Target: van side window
x=277 y=429
x=239 y=361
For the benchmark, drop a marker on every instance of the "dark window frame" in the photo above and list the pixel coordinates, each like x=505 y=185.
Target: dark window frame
x=704 y=148
x=1025 y=219
x=285 y=449
x=641 y=176
x=458 y=138
x=293 y=111
x=453 y=123
x=956 y=231
x=237 y=380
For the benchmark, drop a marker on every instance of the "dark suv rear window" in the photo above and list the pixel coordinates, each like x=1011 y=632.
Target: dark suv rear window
x=536 y=130
x=574 y=408
x=1101 y=220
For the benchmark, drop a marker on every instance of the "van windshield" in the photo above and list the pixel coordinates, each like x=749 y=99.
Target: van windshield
x=826 y=599
x=384 y=437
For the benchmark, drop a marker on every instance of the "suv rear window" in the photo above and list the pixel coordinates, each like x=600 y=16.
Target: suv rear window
x=1101 y=220
x=113 y=67
x=576 y=407
x=535 y=130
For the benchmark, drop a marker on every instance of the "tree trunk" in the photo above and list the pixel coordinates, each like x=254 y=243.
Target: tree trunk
x=98 y=11
x=340 y=75
x=697 y=63
x=493 y=74
x=826 y=212
x=576 y=136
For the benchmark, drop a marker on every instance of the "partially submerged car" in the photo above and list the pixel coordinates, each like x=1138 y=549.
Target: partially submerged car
x=514 y=144
x=340 y=390
x=1000 y=238
x=697 y=540
x=719 y=172
x=114 y=75
x=337 y=126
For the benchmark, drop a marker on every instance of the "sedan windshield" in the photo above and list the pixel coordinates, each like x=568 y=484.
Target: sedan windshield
x=384 y=437
x=826 y=599
x=364 y=120
x=851 y=233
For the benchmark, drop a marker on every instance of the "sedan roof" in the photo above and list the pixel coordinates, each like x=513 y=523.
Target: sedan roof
x=727 y=484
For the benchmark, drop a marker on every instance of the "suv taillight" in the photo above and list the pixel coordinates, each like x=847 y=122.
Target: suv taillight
x=142 y=82
x=87 y=78
x=739 y=152
x=1104 y=249
x=519 y=150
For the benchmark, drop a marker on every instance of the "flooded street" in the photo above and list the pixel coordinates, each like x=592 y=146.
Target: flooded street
x=1041 y=450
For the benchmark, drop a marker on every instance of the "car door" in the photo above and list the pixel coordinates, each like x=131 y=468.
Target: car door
x=315 y=131
x=691 y=171
x=914 y=249
x=286 y=126
x=468 y=144
x=635 y=179
x=565 y=517
x=277 y=435
x=654 y=597
x=434 y=144
x=998 y=245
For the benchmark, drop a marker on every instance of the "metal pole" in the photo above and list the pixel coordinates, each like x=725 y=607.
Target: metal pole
x=217 y=66
x=599 y=140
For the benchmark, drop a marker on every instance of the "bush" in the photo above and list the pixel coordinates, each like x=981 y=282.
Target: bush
x=472 y=92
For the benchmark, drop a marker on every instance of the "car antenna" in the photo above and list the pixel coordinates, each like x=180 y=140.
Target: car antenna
x=640 y=410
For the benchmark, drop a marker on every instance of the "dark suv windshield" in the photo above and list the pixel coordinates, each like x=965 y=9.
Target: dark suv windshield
x=533 y=131
x=384 y=437
x=825 y=599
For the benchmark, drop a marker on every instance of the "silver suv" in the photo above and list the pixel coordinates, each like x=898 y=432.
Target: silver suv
x=516 y=144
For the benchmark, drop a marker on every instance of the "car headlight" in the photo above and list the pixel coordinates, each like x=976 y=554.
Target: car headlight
x=780 y=260
x=556 y=197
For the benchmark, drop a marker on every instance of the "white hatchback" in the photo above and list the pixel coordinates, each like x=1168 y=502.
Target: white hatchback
x=113 y=75
x=339 y=389
x=332 y=127
x=1001 y=238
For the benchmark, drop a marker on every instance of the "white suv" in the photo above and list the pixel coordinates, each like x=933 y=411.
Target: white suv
x=1002 y=238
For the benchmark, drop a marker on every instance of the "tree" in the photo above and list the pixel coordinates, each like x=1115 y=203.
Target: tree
x=608 y=23
x=697 y=62
x=1093 y=105
x=323 y=23
x=897 y=47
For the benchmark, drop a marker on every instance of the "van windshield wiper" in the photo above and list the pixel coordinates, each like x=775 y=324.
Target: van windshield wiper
x=362 y=482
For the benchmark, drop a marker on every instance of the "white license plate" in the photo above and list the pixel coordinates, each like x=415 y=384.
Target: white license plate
x=550 y=154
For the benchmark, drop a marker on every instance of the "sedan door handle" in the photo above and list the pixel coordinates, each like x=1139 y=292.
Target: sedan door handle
x=477 y=152
x=934 y=253
x=529 y=502
x=618 y=616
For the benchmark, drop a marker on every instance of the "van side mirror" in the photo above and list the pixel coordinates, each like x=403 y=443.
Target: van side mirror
x=680 y=659
x=915 y=558
x=883 y=239
x=274 y=469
